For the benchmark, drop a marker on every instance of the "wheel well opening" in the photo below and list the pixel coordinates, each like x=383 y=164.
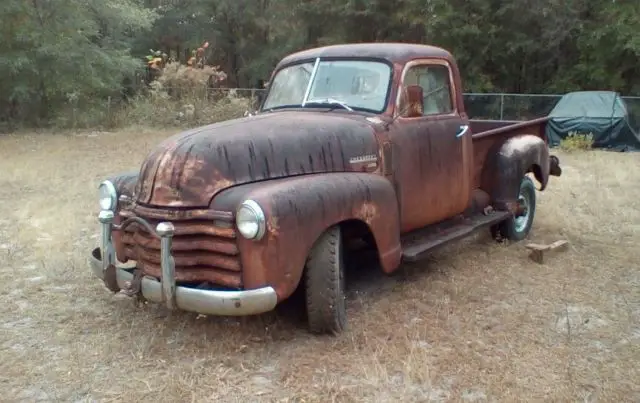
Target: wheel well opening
x=360 y=258
x=360 y=251
x=356 y=233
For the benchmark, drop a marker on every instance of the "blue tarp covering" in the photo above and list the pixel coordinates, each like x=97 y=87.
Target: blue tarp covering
x=601 y=113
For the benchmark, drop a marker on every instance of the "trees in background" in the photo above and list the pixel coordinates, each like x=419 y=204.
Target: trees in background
x=62 y=55
x=56 y=54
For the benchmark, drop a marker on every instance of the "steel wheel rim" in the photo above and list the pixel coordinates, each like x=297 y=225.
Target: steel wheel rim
x=521 y=222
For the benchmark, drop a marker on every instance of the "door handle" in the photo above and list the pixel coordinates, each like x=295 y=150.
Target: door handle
x=462 y=130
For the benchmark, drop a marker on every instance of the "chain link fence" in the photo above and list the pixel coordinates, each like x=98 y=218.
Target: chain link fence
x=497 y=106
x=494 y=106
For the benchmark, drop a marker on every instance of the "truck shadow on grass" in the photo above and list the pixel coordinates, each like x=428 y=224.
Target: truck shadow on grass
x=366 y=284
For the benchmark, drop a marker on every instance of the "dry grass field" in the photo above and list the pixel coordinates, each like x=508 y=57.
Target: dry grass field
x=479 y=321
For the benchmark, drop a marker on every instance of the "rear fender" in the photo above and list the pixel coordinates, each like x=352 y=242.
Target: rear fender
x=299 y=209
x=508 y=162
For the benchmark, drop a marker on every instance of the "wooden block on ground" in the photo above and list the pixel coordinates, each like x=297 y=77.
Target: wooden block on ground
x=538 y=250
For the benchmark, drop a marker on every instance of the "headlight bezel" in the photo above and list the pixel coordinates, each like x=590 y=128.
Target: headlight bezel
x=111 y=194
x=253 y=208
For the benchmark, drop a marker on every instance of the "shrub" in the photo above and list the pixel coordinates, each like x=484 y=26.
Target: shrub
x=164 y=107
x=181 y=95
x=182 y=81
x=577 y=141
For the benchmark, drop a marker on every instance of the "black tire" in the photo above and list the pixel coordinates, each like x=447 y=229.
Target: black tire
x=517 y=229
x=325 y=284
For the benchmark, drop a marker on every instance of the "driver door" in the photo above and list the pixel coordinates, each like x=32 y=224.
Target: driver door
x=432 y=151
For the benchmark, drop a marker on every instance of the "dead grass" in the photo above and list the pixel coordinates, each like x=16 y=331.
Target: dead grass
x=478 y=322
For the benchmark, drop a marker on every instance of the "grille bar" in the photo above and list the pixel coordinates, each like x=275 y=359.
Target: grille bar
x=203 y=252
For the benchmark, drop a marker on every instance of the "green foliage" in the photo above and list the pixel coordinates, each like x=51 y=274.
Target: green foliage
x=65 y=53
x=66 y=61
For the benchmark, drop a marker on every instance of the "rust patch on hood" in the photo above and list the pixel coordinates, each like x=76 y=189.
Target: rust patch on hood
x=190 y=168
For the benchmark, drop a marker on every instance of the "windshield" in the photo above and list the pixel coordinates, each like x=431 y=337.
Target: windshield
x=348 y=84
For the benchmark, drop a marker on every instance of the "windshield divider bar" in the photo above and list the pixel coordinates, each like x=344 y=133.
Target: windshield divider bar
x=311 y=79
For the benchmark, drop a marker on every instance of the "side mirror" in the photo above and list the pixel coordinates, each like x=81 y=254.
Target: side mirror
x=414 y=101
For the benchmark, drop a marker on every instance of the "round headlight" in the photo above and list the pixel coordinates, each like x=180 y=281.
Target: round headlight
x=250 y=220
x=108 y=196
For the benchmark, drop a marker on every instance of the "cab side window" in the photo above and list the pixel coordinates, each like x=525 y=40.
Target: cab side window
x=436 y=87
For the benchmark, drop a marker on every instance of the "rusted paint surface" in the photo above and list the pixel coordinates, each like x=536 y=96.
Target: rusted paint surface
x=399 y=53
x=188 y=169
x=309 y=169
x=125 y=182
x=431 y=165
x=188 y=215
x=430 y=172
x=480 y=200
x=506 y=164
x=488 y=143
x=491 y=128
x=299 y=209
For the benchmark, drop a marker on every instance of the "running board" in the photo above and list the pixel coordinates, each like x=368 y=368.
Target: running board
x=416 y=243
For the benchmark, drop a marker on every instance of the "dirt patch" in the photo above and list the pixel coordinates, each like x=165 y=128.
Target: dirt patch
x=476 y=322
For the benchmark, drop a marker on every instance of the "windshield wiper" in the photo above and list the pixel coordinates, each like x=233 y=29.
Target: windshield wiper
x=330 y=101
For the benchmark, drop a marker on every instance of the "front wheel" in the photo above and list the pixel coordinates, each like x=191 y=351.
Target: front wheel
x=325 y=284
x=517 y=228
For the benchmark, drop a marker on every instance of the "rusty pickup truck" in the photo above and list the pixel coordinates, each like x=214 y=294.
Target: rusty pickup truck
x=367 y=142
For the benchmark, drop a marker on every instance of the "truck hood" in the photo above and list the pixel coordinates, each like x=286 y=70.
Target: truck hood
x=190 y=168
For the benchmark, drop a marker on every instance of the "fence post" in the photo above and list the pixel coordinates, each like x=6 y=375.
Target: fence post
x=501 y=106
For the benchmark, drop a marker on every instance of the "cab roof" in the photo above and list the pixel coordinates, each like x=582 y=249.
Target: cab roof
x=393 y=52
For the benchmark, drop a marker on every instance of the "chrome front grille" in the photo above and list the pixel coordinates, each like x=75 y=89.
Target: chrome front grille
x=203 y=251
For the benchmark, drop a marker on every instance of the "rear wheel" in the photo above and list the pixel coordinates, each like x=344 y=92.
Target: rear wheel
x=517 y=228
x=325 y=284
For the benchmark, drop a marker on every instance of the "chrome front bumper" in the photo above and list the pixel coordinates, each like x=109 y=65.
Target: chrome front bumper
x=165 y=291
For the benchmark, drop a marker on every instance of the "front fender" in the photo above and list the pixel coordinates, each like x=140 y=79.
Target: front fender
x=508 y=162
x=124 y=183
x=299 y=209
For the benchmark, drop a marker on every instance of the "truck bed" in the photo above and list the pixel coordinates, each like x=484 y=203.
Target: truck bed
x=486 y=133
x=483 y=128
